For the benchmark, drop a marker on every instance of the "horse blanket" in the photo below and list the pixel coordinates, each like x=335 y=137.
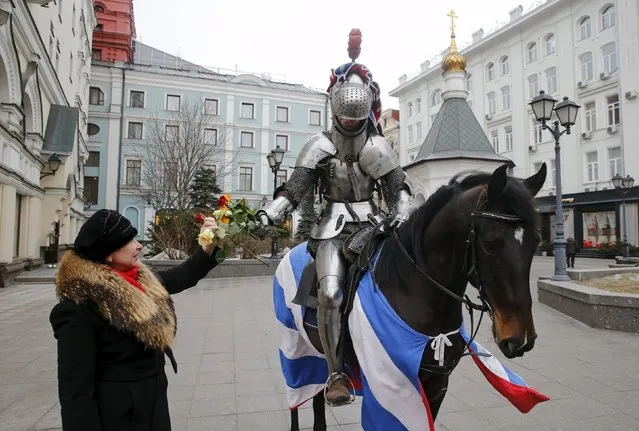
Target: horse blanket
x=389 y=354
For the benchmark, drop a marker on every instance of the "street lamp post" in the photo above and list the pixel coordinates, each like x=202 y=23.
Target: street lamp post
x=275 y=158
x=624 y=185
x=543 y=107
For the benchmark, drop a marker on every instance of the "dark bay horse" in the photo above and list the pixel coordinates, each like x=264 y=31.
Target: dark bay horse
x=481 y=228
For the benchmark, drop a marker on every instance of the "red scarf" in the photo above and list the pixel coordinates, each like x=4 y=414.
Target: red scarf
x=131 y=276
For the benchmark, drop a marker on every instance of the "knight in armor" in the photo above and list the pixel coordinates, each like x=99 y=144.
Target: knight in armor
x=347 y=161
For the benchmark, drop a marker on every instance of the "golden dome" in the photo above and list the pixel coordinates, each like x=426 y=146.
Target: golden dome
x=454 y=61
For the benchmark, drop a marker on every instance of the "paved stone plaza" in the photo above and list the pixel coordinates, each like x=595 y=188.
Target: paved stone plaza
x=229 y=376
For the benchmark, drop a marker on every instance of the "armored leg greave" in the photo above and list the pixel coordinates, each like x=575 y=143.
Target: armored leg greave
x=331 y=272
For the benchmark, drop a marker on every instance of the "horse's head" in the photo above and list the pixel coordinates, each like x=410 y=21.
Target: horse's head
x=504 y=250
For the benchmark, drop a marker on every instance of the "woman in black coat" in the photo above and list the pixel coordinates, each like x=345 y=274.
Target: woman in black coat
x=114 y=324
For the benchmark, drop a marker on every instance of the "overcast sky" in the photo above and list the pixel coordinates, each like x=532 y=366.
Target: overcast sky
x=304 y=39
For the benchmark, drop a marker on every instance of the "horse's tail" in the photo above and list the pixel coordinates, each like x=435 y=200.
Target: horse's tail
x=304 y=368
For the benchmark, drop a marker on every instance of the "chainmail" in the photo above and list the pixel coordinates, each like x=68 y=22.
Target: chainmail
x=301 y=181
x=391 y=184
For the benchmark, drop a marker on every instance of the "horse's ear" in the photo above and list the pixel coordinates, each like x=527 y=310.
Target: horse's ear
x=497 y=183
x=536 y=181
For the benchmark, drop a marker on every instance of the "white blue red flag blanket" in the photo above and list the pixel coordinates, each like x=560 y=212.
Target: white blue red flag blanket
x=388 y=350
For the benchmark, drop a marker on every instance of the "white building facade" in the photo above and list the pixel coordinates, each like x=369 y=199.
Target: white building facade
x=43 y=92
x=585 y=50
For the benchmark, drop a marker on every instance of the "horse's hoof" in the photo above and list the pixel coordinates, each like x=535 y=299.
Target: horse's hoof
x=337 y=394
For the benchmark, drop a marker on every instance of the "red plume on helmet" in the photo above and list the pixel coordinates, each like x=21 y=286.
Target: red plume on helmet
x=354 y=44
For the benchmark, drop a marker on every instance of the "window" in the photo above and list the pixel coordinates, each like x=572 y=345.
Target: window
x=436 y=97
x=282 y=114
x=505 y=65
x=494 y=140
x=533 y=85
x=210 y=136
x=585 y=28
x=315 y=118
x=247 y=110
x=531 y=53
x=137 y=99
x=614 y=161
x=172 y=102
x=587 y=70
x=508 y=134
x=99 y=8
x=71 y=69
x=133 y=172
x=281 y=141
x=96 y=54
x=490 y=72
x=590 y=112
x=282 y=176
x=505 y=98
x=592 y=166
x=93 y=129
x=469 y=82
x=613 y=109
x=96 y=96
x=410 y=109
x=609 y=54
x=171 y=133
x=91 y=187
x=553 y=172
x=551 y=80
x=492 y=105
x=246 y=179
x=418 y=128
x=135 y=130
x=418 y=105
x=246 y=140
x=608 y=17
x=410 y=133
x=538 y=136
x=94 y=159
x=551 y=44
x=210 y=106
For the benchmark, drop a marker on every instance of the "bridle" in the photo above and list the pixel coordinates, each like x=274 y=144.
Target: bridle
x=471 y=269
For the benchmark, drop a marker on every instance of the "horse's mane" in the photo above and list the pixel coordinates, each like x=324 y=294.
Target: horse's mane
x=515 y=195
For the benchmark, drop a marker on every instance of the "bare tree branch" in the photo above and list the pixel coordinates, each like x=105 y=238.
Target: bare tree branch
x=176 y=146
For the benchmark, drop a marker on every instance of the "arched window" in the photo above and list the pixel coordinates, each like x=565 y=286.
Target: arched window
x=585 y=28
x=551 y=44
x=531 y=52
x=436 y=97
x=418 y=105
x=505 y=65
x=608 y=17
x=490 y=72
x=410 y=109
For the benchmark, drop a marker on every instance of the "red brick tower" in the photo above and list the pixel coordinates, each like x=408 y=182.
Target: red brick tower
x=114 y=34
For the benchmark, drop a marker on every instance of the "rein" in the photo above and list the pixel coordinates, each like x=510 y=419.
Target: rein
x=470 y=269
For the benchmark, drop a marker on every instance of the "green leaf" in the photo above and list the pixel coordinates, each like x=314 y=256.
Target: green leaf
x=221 y=233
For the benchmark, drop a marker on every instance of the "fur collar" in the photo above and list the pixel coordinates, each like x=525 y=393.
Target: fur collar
x=149 y=315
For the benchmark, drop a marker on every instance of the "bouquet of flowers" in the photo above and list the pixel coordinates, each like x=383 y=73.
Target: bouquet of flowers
x=235 y=220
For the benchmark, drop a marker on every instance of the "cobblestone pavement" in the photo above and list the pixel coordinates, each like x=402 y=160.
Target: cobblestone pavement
x=229 y=376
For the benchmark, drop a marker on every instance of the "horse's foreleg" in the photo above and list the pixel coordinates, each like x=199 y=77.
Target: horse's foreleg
x=435 y=387
x=319 y=412
x=295 y=420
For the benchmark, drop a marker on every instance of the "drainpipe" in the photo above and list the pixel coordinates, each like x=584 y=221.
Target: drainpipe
x=123 y=101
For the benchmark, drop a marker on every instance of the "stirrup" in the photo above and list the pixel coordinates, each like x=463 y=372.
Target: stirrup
x=349 y=383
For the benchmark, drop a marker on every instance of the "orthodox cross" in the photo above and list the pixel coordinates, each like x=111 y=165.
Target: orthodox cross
x=452 y=16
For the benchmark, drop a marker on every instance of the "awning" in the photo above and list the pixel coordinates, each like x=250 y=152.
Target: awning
x=61 y=129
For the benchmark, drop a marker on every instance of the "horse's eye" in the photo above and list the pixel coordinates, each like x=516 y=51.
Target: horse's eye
x=490 y=246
